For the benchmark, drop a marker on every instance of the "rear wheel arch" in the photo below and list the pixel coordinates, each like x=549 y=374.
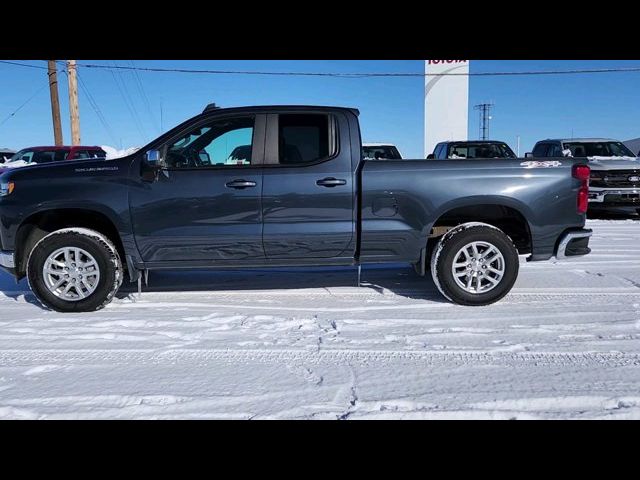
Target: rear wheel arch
x=506 y=218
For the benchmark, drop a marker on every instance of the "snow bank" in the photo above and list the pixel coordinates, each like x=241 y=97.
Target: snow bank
x=16 y=164
x=115 y=153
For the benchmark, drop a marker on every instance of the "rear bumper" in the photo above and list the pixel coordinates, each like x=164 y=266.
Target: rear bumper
x=574 y=243
x=7 y=261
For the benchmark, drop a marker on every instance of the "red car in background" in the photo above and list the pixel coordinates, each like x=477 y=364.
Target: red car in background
x=35 y=155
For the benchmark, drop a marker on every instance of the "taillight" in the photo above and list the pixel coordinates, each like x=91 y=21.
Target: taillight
x=582 y=173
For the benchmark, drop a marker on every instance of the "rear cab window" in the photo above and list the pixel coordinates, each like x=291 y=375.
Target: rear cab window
x=305 y=139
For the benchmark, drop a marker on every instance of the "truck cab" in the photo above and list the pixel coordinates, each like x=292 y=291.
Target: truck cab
x=282 y=186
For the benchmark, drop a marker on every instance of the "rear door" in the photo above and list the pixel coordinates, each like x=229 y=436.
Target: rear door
x=308 y=191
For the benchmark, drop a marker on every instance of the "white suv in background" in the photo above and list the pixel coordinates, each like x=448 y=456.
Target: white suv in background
x=615 y=170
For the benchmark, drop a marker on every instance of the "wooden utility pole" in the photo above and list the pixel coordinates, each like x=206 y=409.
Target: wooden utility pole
x=55 y=102
x=73 y=103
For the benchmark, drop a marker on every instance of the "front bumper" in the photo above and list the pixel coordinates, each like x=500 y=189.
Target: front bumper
x=574 y=243
x=614 y=197
x=7 y=260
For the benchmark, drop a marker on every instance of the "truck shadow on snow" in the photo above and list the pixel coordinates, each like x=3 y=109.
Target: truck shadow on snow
x=16 y=291
x=397 y=279
x=612 y=215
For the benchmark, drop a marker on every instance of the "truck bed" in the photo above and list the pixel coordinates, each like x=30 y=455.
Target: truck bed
x=403 y=200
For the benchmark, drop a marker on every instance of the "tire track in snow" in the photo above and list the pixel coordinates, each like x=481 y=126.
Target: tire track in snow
x=322 y=356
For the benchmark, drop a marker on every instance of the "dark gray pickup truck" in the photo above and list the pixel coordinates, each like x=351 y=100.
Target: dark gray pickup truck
x=283 y=186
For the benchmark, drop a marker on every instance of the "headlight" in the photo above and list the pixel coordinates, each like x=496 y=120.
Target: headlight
x=6 y=188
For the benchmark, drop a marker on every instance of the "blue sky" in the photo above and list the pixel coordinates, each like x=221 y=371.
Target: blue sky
x=534 y=107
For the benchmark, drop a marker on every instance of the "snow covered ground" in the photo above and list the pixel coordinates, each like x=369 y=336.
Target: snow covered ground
x=293 y=344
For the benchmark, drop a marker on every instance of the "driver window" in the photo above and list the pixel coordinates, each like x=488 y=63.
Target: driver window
x=223 y=143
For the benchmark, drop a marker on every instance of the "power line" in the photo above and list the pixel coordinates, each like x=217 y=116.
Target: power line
x=126 y=99
x=348 y=75
x=23 y=64
x=92 y=102
x=364 y=75
x=25 y=103
x=96 y=109
x=143 y=95
x=132 y=103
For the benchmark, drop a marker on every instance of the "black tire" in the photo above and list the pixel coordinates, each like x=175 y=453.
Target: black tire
x=444 y=257
x=94 y=243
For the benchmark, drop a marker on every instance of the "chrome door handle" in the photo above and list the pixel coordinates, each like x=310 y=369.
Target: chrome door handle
x=240 y=184
x=331 y=182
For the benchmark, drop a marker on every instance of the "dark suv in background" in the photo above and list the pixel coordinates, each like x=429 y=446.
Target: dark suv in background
x=471 y=150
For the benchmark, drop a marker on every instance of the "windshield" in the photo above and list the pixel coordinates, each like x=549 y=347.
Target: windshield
x=480 y=150
x=385 y=152
x=39 y=156
x=598 y=149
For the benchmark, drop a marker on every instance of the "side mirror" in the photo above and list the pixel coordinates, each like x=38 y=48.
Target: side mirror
x=528 y=155
x=152 y=157
x=431 y=156
x=151 y=166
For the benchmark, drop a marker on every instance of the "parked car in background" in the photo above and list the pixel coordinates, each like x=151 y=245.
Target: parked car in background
x=380 y=151
x=36 y=155
x=633 y=145
x=615 y=170
x=471 y=150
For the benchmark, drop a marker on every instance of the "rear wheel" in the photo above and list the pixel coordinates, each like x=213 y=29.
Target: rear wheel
x=74 y=270
x=475 y=264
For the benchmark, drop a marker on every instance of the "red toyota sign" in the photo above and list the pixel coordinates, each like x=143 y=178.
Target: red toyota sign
x=436 y=62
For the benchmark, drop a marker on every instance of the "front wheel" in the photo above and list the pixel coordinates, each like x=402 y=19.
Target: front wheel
x=74 y=270
x=475 y=264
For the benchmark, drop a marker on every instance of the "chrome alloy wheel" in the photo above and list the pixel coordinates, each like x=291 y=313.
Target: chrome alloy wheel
x=478 y=267
x=71 y=274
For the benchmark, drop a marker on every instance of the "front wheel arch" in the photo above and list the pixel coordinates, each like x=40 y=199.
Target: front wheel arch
x=37 y=226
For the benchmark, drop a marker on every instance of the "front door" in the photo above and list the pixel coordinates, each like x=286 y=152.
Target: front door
x=205 y=204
